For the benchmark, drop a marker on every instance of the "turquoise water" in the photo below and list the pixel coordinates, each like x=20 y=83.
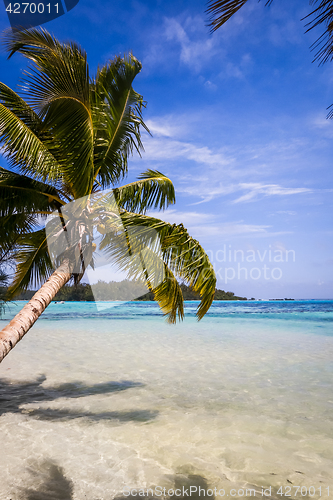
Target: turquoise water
x=96 y=399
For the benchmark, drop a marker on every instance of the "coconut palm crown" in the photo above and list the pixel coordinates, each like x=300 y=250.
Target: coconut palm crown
x=67 y=136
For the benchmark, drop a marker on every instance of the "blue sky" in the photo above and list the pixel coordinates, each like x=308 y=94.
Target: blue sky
x=238 y=120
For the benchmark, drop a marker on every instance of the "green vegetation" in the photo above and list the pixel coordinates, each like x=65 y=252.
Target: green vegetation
x=67 y=138
x=189 y=294
x=119 y=291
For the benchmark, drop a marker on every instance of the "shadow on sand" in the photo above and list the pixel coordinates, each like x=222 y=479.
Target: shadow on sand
x=14 y=395
x=49 y=482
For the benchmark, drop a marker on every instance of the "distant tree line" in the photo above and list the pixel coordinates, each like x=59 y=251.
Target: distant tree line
x=189 y=294
x=119 y=290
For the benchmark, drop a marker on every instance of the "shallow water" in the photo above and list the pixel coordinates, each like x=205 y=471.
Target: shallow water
x=96 y=400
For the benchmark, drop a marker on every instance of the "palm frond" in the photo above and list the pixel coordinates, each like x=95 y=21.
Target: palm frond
x=19 y=193
x=73 y=135
x=152 y=190
x=33 y=262
x=28 y=42
x=169 y=297
x=15 y=225
x=322 y=14
x=117 y=116
x=58 y=87
x=57 y=69
x=24 y=149
x=21 y=199
x=137 y=251
x=182 y=254
x=221 y=11
x=20 y=108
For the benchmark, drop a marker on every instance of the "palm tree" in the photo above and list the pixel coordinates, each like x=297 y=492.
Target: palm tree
x=220 y=12
x=67 y=141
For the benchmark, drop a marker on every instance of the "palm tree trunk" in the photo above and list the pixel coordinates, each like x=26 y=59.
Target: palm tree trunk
x=23 y=321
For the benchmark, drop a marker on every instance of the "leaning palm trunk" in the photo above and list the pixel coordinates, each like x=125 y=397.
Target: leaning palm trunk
x=25 y=319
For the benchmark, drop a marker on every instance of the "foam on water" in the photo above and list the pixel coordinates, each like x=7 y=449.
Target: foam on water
x=91 y=403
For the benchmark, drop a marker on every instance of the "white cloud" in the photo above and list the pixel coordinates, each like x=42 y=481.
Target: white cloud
x=210 y=86
x=194 y=53
x=187 y=218
x=255 y=189
x=205 y=190
x=239 y=70
x=290 y=32
x=160 y=149
x=208 y=191
x=211 y=171
x=207 y=224
x=160 y=129
x=167 y=126
x=286 y=212
x=238 y=228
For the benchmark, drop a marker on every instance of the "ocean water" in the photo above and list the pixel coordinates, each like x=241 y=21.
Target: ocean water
x=97 y=402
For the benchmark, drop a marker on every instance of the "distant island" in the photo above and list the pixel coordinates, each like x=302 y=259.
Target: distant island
x=119 y=290
x=281 y=299
x=188 y=294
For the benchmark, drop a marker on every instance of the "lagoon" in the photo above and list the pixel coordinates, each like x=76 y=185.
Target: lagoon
x=100 y=399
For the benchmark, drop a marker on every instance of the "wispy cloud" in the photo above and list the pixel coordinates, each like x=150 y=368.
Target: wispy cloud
x=290 y=32
x=159 y=149
x=208 y=191
x=285 y=212
x=232 y=70
x=208 y=224
x=230 y=229
x=256 y=189
x=194 y=50
x=167 y=126
x=182 y=148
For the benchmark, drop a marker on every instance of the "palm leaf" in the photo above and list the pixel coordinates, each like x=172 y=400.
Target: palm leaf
x=19 y=193
x=72 y=129
x=57 y=69
x=322 y=14
x=33 y=262
x=29 y=42
x=13 y=226
x=117 y=116
x=182 y=254
x=221 y=11
x=24 y=149
x=20 y=108
x=57 y=86
x=137 y=251
x=152 y=190
x=169 y=297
